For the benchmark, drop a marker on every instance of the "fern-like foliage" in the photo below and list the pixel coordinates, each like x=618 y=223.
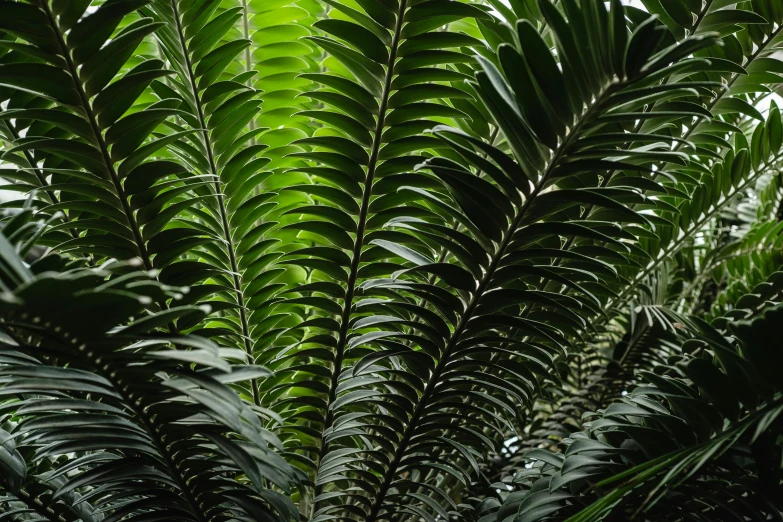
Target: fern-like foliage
x=445 y=300
x=376 y=105
x=598 y=376
x=336 y=260
x=678 y=442
x=101 y=414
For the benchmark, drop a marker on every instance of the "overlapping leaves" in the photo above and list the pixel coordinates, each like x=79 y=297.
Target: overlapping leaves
x=751 y=42
x=102 y=418
x=466 y=250
x=421 y=215
x=681 y=444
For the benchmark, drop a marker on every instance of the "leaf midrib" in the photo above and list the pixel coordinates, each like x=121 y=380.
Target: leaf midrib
x=53 y=199
x=236 y=278
x=679 y=145
x=104 y=150
x=41 y=507
x=690 y=131
x=182 y=484
x=153 y=429
x=360 y=229
x=678 y=243
x=725 y=90
x=410 y=429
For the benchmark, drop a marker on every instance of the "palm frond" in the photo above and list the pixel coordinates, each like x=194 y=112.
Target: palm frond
x=101 y=416
x=508 y=211
x=348 y=260
x=679 y=441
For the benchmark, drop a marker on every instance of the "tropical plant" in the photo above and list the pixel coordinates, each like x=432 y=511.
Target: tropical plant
x=380 y=260
x=683 y=445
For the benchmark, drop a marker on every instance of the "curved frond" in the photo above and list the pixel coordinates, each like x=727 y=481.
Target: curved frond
x=108 y=414
x=681 y=441
x=452 y=295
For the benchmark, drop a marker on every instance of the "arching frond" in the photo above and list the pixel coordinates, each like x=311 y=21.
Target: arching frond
x=348 y=260
x=681 y=441
x=102 y=416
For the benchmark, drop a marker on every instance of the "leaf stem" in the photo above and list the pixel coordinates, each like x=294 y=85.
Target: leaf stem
x=36 y=504
x=104 y=150
x=700 y=17
x=483 y=286
x=236 y=278
x=353 y=274
x=39 y=175
x=726 y=88
x=678 y=243
x=248 y=64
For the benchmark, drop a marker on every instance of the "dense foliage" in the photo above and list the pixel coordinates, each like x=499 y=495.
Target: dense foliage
x=390 y=260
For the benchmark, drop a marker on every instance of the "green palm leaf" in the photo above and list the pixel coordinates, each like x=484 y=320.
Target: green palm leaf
x=388 y=62
x=351 y=259
x=96 y=157
x=684 y=441
x=487 y=212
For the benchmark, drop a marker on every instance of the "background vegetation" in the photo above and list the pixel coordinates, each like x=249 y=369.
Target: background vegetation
x=390 y=260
